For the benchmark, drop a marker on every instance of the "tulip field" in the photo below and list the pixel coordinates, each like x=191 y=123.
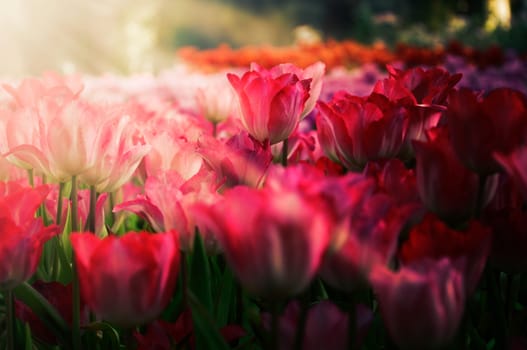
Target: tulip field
x=323 y=196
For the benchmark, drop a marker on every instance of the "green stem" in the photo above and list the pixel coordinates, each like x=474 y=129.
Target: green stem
x=480 y=196
x=497 y=308
x=352 y=321
x=214 y=129
x=91 y=215
x=301 y=327
x=10 y=315
x=74 y=205
x=285 y=150
x=275 y=324
x=30 y=177
x=76 y=288
x=76 y=329
x=43 y=212
x=59 y=203
x=184 y=279
x=239 y=302
x=112 y=215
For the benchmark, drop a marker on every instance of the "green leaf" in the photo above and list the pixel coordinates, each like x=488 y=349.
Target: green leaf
x=44 y=310
x=110 y=336
x=207 y=333
x=28 y=342
x=226 y=297
x=200 y=276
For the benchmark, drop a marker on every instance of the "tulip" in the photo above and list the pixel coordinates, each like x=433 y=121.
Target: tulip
x=432 y=238
x=167 y=204
x=273 y=241
x=421 y=304
x=515 y=164
x=446 y=186
x=127 y=280
x=354 y=130
x=481 y=126
x=428 y=87
x=507 y=217
x=326 y=326
x=22 y=235
x=240 y=160
x=271 y=107
x=215 y=98
x=315 y=72
x=365 y=239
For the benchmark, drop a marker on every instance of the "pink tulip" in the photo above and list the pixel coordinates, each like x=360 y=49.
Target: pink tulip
x=117 y=152
x=271 y=106
x=215 y=98
x=315 y=72
x=273 y=241
x=167 y=204
x=127 y=280
x=170 y=152
x=239 y=160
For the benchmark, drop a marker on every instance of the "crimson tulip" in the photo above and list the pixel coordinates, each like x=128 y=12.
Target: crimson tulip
x=432 y=238
x=481 y=126
x=22 y=235
x=446 y=186
x=354 y=130
x=127 y=280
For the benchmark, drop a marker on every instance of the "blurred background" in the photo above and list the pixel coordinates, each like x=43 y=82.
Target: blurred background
x=129 y=36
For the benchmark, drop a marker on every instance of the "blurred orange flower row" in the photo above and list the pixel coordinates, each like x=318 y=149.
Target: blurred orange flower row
x=335 y=53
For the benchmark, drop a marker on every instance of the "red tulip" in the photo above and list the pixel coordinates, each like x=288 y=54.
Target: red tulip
x=326 y=326
x=432 y=238
x=515 y=164
x=354 y=130
x=162 y=335
x=22 y=236
x=273 y=241
x=507 y=217
x=396 y=180
x=422 y=304
x=127 y=280
x=446 y=186
x=481 y=126
x=429 y=87
x=367 y=238
x=271 y=106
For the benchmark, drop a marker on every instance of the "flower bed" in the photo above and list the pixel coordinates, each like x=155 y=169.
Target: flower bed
x=287 y=206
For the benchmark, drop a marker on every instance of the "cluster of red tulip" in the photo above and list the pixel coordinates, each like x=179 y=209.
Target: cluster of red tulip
x=336 y=54
x=265 y=217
